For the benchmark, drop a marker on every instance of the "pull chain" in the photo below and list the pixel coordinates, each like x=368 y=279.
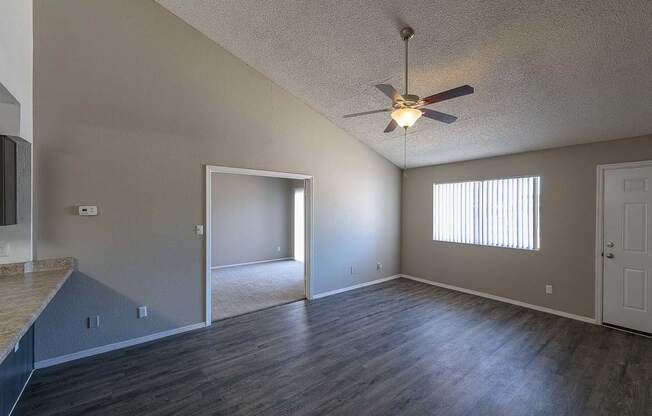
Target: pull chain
x=405 y=149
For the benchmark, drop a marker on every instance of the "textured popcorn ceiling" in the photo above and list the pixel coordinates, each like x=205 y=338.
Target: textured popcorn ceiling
x=546 y=73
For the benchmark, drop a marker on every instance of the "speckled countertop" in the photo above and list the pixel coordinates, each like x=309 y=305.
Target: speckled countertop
x=25 y=290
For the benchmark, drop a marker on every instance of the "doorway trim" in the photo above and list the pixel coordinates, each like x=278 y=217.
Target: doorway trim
x=309 y=192
x=599 y=225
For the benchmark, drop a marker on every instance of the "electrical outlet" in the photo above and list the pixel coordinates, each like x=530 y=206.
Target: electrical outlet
x=349 y=270
x=4 y=249
x=142 y=312
x=548 y=289
x=93 y=321
x=199 y=229
x=379 y=266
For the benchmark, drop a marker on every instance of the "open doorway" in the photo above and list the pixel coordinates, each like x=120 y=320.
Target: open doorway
x=257 y=229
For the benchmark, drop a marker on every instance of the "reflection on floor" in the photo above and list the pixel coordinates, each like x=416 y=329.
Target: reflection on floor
x=396 y=348
x=242 y=289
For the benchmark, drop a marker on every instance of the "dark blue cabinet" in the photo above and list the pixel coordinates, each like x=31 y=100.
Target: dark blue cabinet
x=15 y=371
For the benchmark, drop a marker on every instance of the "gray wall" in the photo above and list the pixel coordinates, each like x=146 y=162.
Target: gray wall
x=130 y=103
x=252 y=218
x=16 y=65
x=9 y=113
x=16 y=109
x=566 y=258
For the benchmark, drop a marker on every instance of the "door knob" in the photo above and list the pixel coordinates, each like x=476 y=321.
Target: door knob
x=610 y=255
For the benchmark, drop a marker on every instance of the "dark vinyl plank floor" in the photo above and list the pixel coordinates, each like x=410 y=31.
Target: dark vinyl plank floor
x=397 y=348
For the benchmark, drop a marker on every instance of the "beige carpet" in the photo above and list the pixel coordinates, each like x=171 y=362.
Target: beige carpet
x=242 y=289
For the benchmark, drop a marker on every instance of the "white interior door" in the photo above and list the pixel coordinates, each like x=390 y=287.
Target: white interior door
x=627 y=261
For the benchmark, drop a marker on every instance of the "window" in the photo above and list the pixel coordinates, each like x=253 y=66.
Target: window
x=498 y=212
x=299 y=221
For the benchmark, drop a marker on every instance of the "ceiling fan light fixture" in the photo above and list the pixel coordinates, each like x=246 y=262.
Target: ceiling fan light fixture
x=406 y=117
x=408 y=108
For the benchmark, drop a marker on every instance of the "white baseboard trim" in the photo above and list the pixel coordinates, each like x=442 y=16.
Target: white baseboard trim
x=251 y=262
x=502 y=299
x=346 y=289
x=115 y=346
x=21 y=392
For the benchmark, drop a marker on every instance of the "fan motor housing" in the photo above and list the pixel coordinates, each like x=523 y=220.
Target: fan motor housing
x=407 y=100
x=407 y=33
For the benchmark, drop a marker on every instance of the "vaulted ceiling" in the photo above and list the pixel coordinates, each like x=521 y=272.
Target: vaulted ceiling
x=546 y=73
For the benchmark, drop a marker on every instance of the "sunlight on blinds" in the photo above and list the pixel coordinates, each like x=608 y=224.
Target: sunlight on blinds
x=499 y=212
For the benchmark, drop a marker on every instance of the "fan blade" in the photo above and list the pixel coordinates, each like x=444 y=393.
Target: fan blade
x=436 y=115
x=391 y=126
x=389 y=91
x=447 y=95
x=364 y=113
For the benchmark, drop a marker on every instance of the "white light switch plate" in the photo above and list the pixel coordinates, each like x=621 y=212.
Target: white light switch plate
x=142 y=312
x=199 y=229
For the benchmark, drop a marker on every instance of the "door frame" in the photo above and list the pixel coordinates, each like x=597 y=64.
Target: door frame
x=599 y=232
x=309 y=206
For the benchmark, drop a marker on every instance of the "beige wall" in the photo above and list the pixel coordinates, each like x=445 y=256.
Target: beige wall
x=130 y=103
x=252 y=217
x=568 y=198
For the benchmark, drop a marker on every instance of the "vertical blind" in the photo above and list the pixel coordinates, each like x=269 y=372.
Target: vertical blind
x=498 y=212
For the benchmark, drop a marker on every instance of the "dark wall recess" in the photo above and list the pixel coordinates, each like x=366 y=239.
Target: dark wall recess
x=8 y=194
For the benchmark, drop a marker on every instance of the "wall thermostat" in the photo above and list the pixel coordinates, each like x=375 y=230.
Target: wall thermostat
x=86 y=210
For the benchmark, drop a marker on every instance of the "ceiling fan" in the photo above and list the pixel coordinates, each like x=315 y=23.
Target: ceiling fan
x=408 y=108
